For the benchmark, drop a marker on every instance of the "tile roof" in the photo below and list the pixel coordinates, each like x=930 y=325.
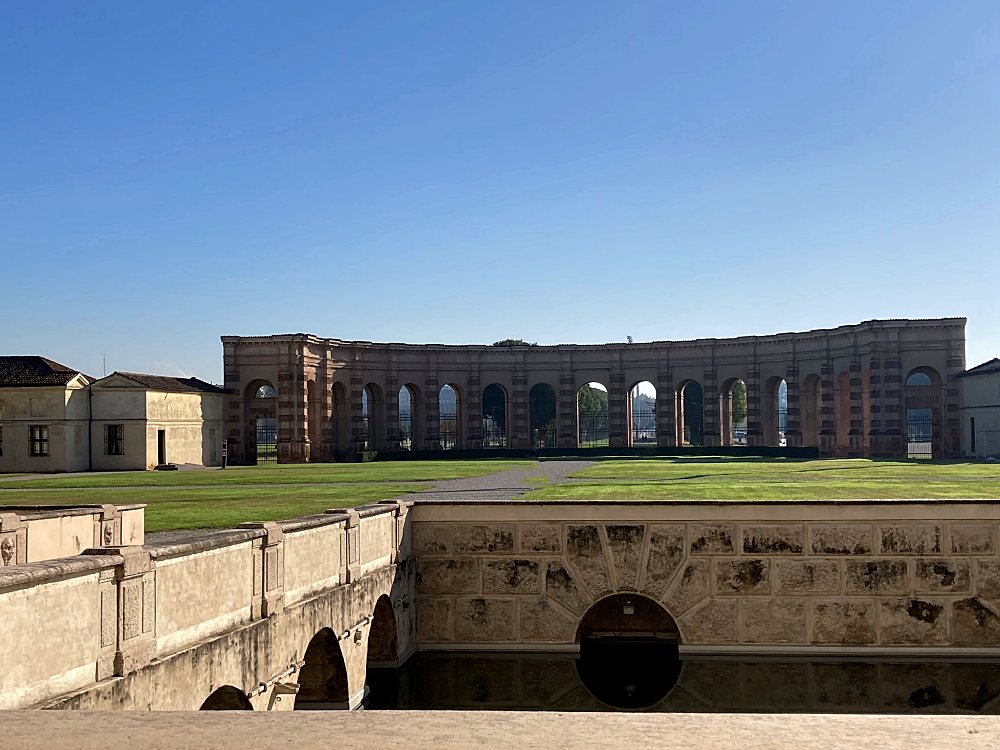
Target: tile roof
x=170 y=383
x=34 y=371
x=986 y=368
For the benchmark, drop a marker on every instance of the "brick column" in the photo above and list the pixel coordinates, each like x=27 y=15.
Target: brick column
x=518 y=432
x=432 y=412
x=894 y=407
x=235 y=431
x=855 y=434
x=710 y=394
x=953 y=401
x=567 y=432
x=618 y=425
x=877 y=445
x=392 y=413
x=793 y=429
x=666 y=420
x=324 y=402
x=473 y=412
x=755 y=425
x=357 y=410
x=293 y=444
x=828 y=411
x=268 y=570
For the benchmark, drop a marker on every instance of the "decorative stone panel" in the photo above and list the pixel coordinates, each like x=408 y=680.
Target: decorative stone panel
x=742 y=576
x=807 y=576
x=942 y=576
x=625 y=548
x=912 y=622
x=540 y=537
x=664 y=556
x=841 y=539
x=844 y=622
x=772 y=540
x=586 y=555
x=511 y=576
x=460 y=576
x=561 y=586
x=774 y=620
x=541 y=621
x=485 y=620
x=910 y=539
x=711 y=539
x=972 y=539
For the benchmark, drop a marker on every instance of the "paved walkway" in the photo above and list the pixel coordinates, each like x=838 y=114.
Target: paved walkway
x=514 y=730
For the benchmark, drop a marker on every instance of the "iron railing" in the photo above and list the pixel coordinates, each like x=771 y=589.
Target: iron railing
x=593 y=429
x=643 y=426
x=266 y=441
x=448 y=431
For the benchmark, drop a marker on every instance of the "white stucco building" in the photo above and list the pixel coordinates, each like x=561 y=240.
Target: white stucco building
x=54 y=418
x=981 y=409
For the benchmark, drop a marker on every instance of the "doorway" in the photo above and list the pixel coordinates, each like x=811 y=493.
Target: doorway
x=161 y=447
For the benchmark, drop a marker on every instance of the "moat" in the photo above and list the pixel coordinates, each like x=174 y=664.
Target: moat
x=643 y=679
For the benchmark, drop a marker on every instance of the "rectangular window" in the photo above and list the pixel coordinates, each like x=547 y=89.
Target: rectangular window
x=114 y=440
x=39 y=434
x=212 y=455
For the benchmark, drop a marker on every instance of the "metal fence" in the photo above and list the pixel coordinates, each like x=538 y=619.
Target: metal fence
x=406 y=432
x=544 y=436
x=593 y=429
x=643 y=427
x=493 y=434
x=448 y=431
x=919 y=435
x=266 y=441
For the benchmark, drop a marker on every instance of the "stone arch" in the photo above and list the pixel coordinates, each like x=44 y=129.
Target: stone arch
x=733 y=412
x=260 y=401
x=450 y=416
x=542 y=411
x=641 y=414
x=774 y=415
x=495 y=416
x=227 y=698
x=811 y=409
x=411 y=417
x=383 y=640
x=690 y=413
x=373 y=417
x=628 y=650
x=592 y=415
x=323 y=680
x=922 y=411
x=340 y=420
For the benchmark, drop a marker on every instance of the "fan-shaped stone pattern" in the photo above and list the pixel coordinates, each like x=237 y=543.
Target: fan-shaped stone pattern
x=586 y=554
x=973 y=623
x=544 y=623
x=666 y=553
x=692 y=586
x=625 y=545
x=560 y=586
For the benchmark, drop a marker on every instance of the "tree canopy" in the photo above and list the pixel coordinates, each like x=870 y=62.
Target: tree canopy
x=513 y=342
x=739 y=402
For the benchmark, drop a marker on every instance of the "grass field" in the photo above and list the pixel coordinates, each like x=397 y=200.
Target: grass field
x=220 y=499
x=724 y=478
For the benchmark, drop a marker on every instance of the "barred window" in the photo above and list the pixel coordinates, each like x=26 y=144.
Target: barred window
x=39 y=434
x=114 y=440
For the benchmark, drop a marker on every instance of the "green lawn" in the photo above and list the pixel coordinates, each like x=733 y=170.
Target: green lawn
x=723 y=478
x=221 y=499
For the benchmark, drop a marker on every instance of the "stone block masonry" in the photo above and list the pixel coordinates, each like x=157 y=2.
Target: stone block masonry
x=896 y=577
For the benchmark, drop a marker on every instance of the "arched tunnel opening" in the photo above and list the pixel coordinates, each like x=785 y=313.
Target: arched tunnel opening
x=629 y=651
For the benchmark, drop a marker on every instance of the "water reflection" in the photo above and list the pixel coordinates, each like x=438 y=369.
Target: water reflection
x=650 y=681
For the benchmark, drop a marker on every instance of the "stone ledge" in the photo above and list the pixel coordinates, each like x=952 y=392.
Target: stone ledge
x=49 y=570
x=215 y=540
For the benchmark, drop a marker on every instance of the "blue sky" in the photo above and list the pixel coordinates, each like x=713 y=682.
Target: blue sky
x=468 y=171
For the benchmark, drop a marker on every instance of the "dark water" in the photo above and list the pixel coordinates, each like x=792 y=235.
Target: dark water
x=637 y=679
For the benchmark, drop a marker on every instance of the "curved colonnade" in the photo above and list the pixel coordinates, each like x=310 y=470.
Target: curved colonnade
x=872 y=389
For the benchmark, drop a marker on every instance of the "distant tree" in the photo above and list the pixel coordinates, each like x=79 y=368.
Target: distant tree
x=739 y=402
x=592 y=400
x=513 y=342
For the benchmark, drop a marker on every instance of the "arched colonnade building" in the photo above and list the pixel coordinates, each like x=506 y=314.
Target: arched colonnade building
x=877 y=388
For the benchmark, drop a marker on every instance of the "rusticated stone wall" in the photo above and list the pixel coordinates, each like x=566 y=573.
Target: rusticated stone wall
x=753 y=575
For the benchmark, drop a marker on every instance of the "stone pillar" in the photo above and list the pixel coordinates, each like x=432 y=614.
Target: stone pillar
x=392 y=413
x=618 y=426
x=128 y=611
x=324 y=402
x=293 y=443
x=876 y=427
x=268 y=570
x=473 y=404
x=755 y=425
x=401 y=537
x=955 y=363
x=235 y=430
x=894 y=407
x=828 y=411
x=710 y=394
x=352 y=545
x=108 y=527
x=432 y=412
x=13 y=540
x=356 y=395
x=793 y=428
x=666 y=420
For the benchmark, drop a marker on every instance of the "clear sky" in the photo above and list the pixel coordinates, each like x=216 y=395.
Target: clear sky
x=462 y=172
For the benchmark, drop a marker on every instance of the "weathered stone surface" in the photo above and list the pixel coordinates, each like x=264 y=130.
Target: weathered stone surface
x=774 y=620
x=540 y=537
x=496 y=538
x=514 y=576
x=560 y=585
x=428 y=537
x=773 y=540
x=974 y=624
x=435 y=619
x=876 y=577
x=972 y=538
x=806 y=576
x=666 y=552
x=692 y=586
x=912 y=622
x=447 y=576
x=910 y=539
x=936 y=576
x=842 y=539
x=625 y=545
x=540 y=621
x=712 y=539
x=715 y=622
x=988 y=578
x=742 y=576
x=586 y=555
x=847 y=622
x=484 y=620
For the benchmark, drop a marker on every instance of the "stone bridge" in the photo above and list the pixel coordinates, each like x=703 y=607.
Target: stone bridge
x=294 y=614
